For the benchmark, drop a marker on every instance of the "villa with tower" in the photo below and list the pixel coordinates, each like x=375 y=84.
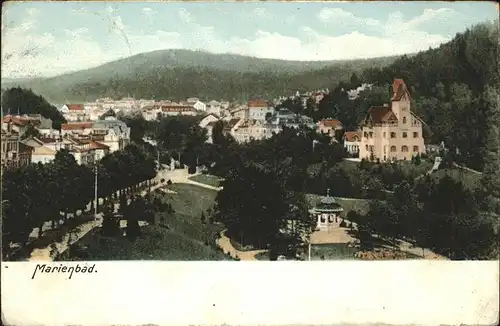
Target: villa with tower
x=390 y=133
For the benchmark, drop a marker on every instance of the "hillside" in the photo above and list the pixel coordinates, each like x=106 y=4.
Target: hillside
x=177 y=74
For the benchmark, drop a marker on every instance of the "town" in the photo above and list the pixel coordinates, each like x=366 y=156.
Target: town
x=191 y=155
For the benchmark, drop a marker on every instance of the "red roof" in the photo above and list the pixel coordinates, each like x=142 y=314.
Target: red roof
x=75 y=107
x=380 y=114
x=399 y=89
x=76 y=126
x=333 y=123
x=351 y=136
x=258 y=104
x=16 y=120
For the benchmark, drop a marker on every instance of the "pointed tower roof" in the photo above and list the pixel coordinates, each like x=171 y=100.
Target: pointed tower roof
x=399 y=89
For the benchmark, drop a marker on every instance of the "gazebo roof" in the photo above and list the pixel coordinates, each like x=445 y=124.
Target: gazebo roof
x=327 y=204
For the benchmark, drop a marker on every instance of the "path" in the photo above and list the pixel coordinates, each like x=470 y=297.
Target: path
x=71 y=237
x=226 y=245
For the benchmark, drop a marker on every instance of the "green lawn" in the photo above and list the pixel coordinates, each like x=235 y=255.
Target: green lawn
x=334 y=251
x=207 y=179
x=337 y=251
x=184 y=238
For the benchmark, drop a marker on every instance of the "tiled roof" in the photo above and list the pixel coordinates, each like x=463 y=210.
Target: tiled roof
x=16 y=120
x=379 y=114
x=399 y=89
x=331 y=123
x=75 y=107
x=76 y=126
x=258 y=104
x=351 y=136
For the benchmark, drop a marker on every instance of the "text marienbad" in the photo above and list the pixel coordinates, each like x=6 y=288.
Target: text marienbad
x=47 y=269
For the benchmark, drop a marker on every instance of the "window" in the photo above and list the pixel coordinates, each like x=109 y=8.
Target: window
x=371 y=148
x=371 y=134
x=385 y=150
x=415 y=135
x=415 y=148
x=393 y=135
x=404 y=119
x=404 y=148
x=366 y=147
x=405 y=135
x=366 y=134
x=393 y=148
x=384 y=134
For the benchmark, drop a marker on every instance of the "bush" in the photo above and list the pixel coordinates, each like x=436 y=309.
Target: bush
x=169 y=182
x=162 y=180
x=191 y=169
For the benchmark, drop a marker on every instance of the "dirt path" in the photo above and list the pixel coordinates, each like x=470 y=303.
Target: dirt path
x=46 y=254
x=227 y=247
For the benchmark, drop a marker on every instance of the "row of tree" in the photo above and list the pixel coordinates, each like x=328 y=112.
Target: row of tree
x=40 y=193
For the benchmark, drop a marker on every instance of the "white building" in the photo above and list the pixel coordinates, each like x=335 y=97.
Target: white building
x=74 y=112
x=352 y=141
x=259 y=109
x=111 y=132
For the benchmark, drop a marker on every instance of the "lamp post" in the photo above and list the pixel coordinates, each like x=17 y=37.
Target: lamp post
x=95 y=193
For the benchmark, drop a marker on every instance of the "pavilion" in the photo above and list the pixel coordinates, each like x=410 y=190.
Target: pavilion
x=327 y=213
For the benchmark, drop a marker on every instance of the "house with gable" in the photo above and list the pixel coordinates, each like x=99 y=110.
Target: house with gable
x=390 y=133
x=74 y=112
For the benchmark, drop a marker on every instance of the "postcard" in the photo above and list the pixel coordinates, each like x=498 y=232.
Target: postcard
x=250 y=163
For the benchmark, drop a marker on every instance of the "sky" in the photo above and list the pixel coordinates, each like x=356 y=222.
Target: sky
x=51 y=38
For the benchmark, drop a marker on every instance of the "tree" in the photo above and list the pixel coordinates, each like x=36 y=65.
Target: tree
x=25 y=101
x=30 y=132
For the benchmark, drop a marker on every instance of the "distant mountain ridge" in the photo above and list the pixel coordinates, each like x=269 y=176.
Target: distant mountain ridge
x=149 y=65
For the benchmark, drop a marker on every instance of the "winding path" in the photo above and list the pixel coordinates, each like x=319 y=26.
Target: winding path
x=225 y=244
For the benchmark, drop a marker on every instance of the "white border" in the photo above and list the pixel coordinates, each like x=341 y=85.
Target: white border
x=252 y=293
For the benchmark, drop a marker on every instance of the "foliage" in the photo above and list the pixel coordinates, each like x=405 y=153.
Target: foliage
x=25 y=101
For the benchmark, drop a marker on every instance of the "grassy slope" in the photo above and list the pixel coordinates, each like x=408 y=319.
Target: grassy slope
x=185 y=238
x=207 y=179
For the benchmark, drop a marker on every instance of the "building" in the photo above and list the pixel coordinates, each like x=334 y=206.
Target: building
x=351 y=142
x=392 y=133
x=151 y=113
x=327 y=213
x=74 y=112
x=175 y=109
x=259 y=110
x=11 y=148
x=214 y=107
x=111 y=132
x=329 y=127
x=196 y=104
x=42 y=154
x=18 y=123
x=207 y=119
x=248 y=130
x=238 y=112
x=76 y=129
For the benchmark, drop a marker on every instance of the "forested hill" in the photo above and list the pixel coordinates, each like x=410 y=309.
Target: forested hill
x=454 y=88
x=177 y=74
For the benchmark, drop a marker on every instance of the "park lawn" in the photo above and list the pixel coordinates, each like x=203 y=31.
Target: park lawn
x=155 y=243
x=207 y=179
x=334 y=251
x=361 y=206
x=184 y=238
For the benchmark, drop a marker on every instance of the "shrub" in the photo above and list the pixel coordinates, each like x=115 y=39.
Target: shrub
x=162 y=180
x=191 y=169
x=169 y=182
